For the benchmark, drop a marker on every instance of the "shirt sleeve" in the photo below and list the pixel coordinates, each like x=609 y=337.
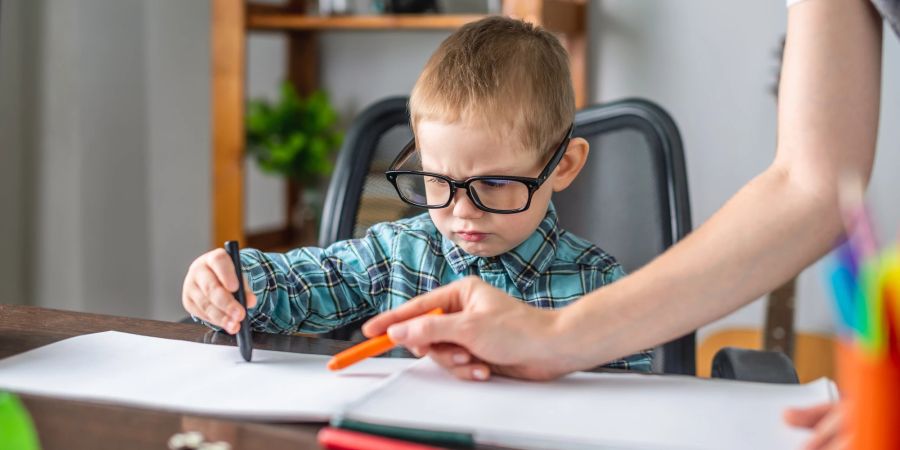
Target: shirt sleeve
x=638 y=362
x=315 y=290
x=612 y=273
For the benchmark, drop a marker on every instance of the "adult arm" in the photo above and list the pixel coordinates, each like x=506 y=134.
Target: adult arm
x=779 y=223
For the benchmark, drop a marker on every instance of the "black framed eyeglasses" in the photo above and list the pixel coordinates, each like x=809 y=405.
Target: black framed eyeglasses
x=499 y=194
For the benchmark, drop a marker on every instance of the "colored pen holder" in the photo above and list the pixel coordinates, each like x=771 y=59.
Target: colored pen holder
x=16 y=427
x=870 y=386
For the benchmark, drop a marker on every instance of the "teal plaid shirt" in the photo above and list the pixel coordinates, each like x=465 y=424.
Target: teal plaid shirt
x=314 y=290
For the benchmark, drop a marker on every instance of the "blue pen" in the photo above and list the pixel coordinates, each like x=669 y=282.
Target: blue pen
x=244 y=338
x=843 y=289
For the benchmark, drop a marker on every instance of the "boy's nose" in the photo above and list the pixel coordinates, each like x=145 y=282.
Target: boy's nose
x=463 y=207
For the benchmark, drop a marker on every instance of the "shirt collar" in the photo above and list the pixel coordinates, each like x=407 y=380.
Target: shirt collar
x=523 y=264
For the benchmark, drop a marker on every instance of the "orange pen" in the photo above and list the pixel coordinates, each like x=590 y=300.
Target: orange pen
x=372 y=347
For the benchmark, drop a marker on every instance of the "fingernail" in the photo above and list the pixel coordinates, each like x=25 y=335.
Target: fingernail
x=460 y=358
x=397 y=332
x=480 y=374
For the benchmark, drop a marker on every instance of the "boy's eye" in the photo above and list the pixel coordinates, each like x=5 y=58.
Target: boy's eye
x=433 y=180
x=495 y=183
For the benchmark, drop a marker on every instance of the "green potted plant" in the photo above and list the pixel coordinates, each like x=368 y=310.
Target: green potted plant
x=295 y=138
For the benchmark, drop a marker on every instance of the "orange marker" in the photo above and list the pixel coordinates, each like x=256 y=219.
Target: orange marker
x=372 y=347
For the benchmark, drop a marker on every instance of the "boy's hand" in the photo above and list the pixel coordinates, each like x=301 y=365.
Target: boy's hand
x=208 y=291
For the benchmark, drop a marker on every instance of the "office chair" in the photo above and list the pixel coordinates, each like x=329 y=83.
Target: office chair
x=359 y=195
x=634 y=181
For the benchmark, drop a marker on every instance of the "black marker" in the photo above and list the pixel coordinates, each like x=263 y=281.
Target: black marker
x=244 y=339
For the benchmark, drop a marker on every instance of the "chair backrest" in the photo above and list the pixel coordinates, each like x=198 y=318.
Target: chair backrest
x=631 y=198
x=359 y=195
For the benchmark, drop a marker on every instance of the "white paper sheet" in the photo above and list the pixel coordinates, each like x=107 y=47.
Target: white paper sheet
x=192 y=377
x=590 y=410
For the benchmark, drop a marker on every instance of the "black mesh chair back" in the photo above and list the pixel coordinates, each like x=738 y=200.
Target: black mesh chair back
x=359 y=195
x=631 y=198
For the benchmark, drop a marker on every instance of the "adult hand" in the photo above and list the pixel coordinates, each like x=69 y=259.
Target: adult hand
x=483 y=331
x=826 y=421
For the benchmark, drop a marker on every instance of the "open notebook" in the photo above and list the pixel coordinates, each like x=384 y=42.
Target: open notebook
x=586 y=410
x=583 y=410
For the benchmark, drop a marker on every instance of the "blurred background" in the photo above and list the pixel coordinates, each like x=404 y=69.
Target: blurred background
x=107 y=120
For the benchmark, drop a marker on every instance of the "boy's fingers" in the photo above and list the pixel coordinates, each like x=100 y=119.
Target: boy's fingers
x=207 y=310
x=194 y=311
x=216 y=316
x=445 y=297
x=249 y=295
x=215 y=293
x=190 y=305
x=226 y=302
x=220 y=264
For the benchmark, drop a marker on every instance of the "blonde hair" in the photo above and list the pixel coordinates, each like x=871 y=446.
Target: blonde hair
x=507 y=74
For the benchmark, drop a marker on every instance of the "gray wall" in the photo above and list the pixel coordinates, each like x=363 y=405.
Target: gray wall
x=12 y=157
x=110 y=155
x=711 y=65
x=105 y=129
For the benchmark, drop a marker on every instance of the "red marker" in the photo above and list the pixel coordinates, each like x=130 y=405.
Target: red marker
x=338 y=439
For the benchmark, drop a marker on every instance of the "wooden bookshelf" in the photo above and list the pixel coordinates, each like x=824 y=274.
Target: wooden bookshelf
x=287 y=22
x=232 y=20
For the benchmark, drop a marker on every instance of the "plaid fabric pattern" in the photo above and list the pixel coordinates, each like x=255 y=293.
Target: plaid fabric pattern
x=314 y=290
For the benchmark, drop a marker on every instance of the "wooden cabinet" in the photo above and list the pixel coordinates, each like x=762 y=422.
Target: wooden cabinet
x=233 y=19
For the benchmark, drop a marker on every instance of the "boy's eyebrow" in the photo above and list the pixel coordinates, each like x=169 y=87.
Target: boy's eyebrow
x=499 y=171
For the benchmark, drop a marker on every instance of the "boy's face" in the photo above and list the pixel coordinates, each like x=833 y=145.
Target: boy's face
x=459 y=151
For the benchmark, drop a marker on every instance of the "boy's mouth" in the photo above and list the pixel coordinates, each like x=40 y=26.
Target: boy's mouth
x=471 y=236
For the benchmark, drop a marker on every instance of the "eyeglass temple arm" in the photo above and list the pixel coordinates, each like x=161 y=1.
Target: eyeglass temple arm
x=557 y=156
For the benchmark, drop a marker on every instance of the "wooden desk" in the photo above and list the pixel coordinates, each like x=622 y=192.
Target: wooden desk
x=73 y=425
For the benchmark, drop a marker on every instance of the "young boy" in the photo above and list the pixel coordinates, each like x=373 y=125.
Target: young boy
x=492 y=118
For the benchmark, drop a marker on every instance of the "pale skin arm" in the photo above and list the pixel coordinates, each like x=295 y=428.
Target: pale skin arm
x=779 y=223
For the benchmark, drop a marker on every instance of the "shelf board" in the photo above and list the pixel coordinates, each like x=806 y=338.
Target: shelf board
x=268 y=20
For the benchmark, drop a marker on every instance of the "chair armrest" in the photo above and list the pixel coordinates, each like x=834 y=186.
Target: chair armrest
x=753 y=365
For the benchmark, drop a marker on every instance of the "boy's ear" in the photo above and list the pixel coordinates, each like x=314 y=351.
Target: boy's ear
x=571 y=163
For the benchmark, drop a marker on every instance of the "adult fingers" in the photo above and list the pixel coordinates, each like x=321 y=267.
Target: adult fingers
x=445 y=297
x=827 y=430
x=807 y=417
x=449 y=355
x=427 y=330
x=477 y=371
x=840 y=442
